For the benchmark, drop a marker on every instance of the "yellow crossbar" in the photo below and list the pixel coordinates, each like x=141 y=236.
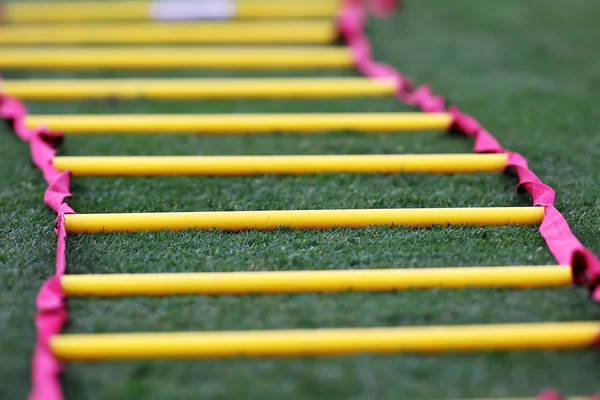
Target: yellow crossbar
x=191 y=89
x=242 y=123
x=281 y=165
x=157 y=58
x=127 y=10
x=242 y=283
x=275 y=32
x=303 y=219
x=325 y=342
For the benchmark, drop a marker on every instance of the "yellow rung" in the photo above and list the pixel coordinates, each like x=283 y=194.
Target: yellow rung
x=325 y=342
x=281 y=165
x=302 y=219
x=276 y=32
x=190 y=89
x=125 y=10
x=242 y=123
x=156 y=58
x=241 y=283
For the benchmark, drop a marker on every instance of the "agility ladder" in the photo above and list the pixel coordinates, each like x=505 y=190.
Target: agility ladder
x=575 y=263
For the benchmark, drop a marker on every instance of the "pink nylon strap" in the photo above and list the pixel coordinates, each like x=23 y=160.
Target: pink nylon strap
x=50 y=303
x=384 y=8
x=554 y=395
x=549 y=395
x=43 y=149
x=586 y=271
x=561 y=242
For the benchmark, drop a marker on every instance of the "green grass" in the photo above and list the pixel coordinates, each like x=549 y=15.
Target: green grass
x=527 y=70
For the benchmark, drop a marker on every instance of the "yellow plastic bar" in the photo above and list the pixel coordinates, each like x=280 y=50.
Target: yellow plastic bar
x=281 y=165
x=242 y=123
x=263 y=32
x=302 y=219
x=325 y=342
x=158 y=58
x=190 y=89
x=242 y=283
x=125 y=10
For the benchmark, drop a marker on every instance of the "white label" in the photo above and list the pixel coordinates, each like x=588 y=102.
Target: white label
x=174 y=10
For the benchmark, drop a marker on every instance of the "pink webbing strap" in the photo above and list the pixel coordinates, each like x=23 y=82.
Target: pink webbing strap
x=561 y=242
x=549 y=395
x=384 y=8
x=554 y=395
x=51 y=309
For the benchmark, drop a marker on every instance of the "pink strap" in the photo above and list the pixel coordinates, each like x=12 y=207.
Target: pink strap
x=549 y=395
x=43 y=149
x=384 y=8
x=561 y=242
x=51 y=308
x=554 y=395
x=586 y=271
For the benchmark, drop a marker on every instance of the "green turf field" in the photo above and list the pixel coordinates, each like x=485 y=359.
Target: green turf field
x=528 y=70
